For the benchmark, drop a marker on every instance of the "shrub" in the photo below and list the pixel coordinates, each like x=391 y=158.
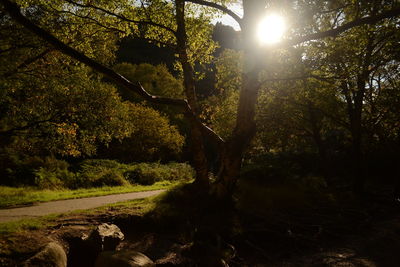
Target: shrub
x=50 y=173
x=53 y=174
x=96 y=173
x=50 y=179
x=110 y=178
x=100 y=163
x=142 y=174
x=19 y=171
x=149 y=173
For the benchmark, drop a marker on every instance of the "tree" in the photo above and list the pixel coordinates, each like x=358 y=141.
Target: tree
x=356 y=58
x=158 y=81
x=153 y=138
x=168 y=20
x=54 y=105
x=219 y=110
x=68 y=115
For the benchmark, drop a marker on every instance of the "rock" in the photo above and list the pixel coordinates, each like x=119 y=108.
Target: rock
x=124 y=258
x=52 y=255
x=105 y=237
x=84 y=248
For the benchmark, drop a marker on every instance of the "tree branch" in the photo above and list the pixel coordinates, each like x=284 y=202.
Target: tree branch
x=27 y=62
x=121 y=17
x=15 y=12
x=219 y=7
x=355 y=23
x=307 y=76
x=91 y=19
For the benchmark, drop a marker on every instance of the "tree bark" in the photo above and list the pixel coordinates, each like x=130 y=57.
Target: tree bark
x=356 y=118
x=197 y=141
x=245 y=129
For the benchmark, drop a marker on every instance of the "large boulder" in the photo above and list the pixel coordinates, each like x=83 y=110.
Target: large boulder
x=123 y=258
x=84 y=248
x=105 y=237
x=52 y=255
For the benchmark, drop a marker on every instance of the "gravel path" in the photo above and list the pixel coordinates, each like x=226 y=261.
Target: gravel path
x=61 y=206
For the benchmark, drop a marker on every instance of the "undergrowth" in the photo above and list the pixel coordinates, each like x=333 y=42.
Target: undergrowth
x=51 y=173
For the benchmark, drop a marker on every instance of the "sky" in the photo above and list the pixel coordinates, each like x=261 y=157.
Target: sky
x=228 y=20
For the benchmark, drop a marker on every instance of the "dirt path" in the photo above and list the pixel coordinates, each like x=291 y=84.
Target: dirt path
x=61 y=206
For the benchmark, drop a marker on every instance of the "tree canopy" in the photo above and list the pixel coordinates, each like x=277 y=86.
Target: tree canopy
x=341 y=47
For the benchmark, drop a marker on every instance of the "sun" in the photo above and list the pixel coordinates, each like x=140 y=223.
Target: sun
x=271 y=29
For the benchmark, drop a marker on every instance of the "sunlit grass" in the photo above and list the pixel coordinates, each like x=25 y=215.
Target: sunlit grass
x=10 y=196
x=136 y=206
x=28 y=224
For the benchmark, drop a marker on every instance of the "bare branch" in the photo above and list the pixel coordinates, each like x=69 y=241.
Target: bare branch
x=219 y=7
x=335 y=32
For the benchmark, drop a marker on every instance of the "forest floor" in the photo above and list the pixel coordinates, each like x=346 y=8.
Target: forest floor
x=360 y=233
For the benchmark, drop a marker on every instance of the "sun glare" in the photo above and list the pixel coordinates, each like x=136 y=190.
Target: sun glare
x=271 y=29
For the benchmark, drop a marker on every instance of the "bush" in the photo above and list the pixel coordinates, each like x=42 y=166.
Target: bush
x=149 y=173
x=19 y=171
x=52 y=179
x=51 y=173
x=96 y=173
x=110 y=178
x=141 y=174
x=110 y=173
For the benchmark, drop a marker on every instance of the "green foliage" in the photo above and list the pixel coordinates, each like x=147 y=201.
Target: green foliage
x=69 y=114
x=156 y=79
x=220 y=109
x=109 y=172
x=98 y=173
x=97 y=38
x=74 y=110
x=200 y=45
x=52 y=179
x=51 y=173
x=149 y=173
x=152 y=138
x=27 y=170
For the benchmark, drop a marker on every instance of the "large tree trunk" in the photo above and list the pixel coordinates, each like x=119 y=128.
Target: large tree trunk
x=232 y=154
x=355 y=109
x=197 y=141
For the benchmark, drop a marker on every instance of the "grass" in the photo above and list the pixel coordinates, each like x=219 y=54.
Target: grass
x=28 y=224
x=10 y=196
x=138 y=206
